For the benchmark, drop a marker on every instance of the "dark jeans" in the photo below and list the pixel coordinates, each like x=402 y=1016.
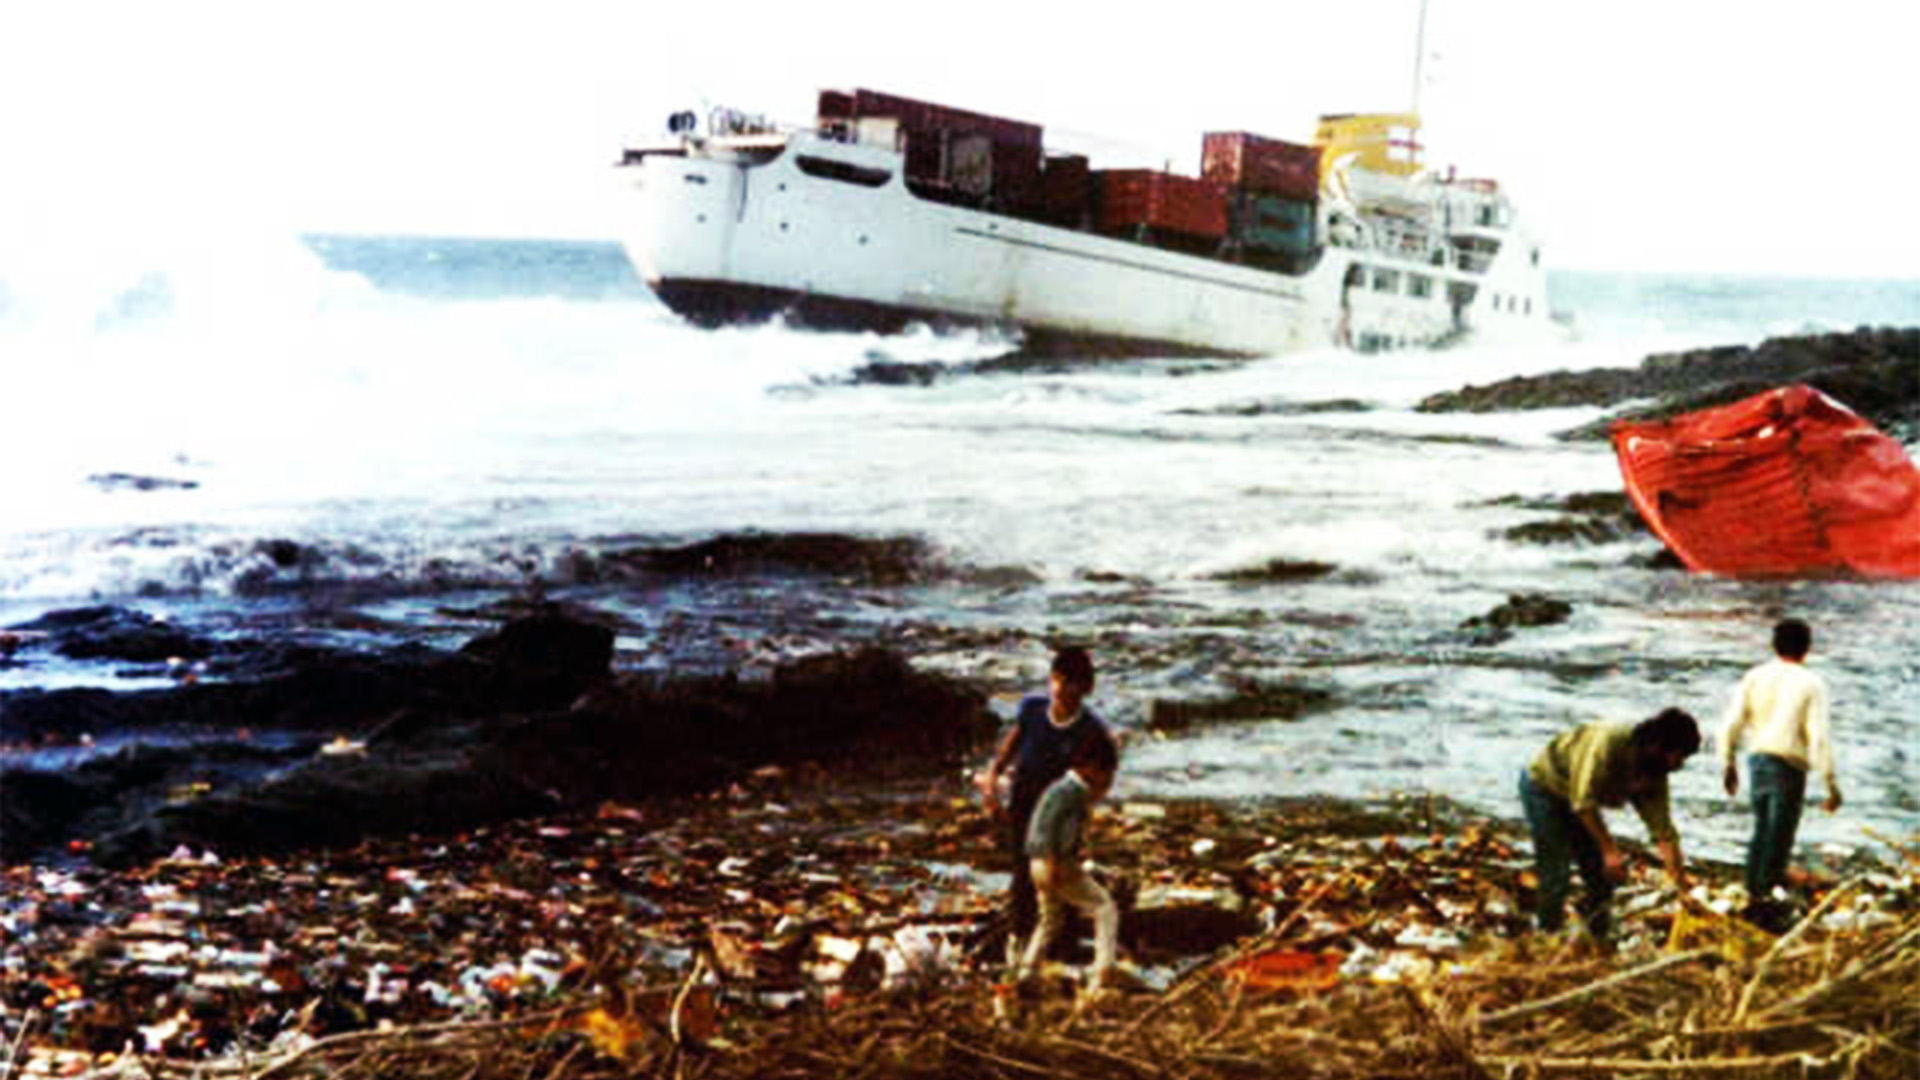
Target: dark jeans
x=1023 y=904
x=1560 y=842
x=1779 y=793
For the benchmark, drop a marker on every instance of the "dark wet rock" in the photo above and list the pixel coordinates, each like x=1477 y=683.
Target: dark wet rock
x=1251 y=699
x=1663 y=559
x=457 y=753
x=333 y=801
x=1274 y=571
x=115 y=633
x=534 y=663
x=1520 y=610
x=1593 y=517
x=1112 y=577
x=1566 y=530
x=997 y=577
x=119 y=481
x=551 y=647
x=897 y=373
x=1875 y=372
x=40 y=809
x=1280 y=407
x=1588 y=503
x=893 y=561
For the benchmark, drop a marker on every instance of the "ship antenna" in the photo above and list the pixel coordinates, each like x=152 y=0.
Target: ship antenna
x=1419 y=56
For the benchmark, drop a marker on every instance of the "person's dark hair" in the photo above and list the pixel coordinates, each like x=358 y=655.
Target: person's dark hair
x=1073 y=664
x=1096 y=751
x=1667 y=732
x=1792 y=638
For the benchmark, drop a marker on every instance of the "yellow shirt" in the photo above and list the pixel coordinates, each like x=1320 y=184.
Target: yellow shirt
x=1780 y=708
x=1590 y=767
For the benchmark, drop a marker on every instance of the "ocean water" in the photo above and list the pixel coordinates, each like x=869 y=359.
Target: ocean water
x=443 y=420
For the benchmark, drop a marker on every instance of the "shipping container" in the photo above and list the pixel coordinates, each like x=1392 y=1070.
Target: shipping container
x=1237 y=159
x=836 y=105
x=926 y=115
x=877 y=131
x=1065 y=195
x=1016 y=177
x=1128 y=200
x=968 y=168
x=952 y=155
x=1271 y=223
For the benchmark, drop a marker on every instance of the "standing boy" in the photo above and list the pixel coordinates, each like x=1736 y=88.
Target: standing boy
x=1054 y=858
x=1593 y=766
x=1781 y=709
x=1038 y=748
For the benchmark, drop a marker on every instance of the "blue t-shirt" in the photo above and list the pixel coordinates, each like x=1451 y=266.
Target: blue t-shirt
x=1044 y=750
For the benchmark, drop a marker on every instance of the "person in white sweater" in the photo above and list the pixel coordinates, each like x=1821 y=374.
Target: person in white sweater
x=1780 y=711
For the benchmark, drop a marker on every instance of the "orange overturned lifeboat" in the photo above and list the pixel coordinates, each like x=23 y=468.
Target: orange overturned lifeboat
x=1789 y=483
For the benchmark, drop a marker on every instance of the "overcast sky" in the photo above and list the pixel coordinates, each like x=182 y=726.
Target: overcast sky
x=1634 y=134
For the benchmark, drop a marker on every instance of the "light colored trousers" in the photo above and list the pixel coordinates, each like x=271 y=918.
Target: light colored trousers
x=1060 y=883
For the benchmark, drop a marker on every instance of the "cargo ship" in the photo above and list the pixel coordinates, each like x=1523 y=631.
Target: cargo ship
x=883 y=211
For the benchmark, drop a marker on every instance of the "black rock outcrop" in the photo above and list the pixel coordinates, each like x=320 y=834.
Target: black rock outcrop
x=1875 y=372
x=523 y=721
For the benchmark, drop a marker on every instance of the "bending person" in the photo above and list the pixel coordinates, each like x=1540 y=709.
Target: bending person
x=1583 y=771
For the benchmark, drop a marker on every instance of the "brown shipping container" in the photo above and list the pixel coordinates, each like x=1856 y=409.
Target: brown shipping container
x=1242 y=160
x=1016 y=177
x=836 y=105
x=1129 y=198
x=923 y=114
x=970 y=168
x=1066 y=190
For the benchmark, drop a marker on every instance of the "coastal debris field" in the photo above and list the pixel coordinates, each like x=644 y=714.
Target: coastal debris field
x=799 y=924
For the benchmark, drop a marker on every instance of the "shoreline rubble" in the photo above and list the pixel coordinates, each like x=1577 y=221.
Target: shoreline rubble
x=781 y=925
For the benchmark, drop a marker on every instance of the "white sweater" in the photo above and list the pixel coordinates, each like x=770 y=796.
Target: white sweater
x=1781 y=709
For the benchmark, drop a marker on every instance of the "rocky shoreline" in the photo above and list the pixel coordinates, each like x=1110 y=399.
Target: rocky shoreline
x=572 y=801
x=1873 y=371
x=524 y=721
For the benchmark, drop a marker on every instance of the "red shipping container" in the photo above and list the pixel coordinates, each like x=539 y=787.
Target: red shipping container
x=1129 y=198
x=1255 y=163
x=926 y=115
x=1066 y=190
x=836 y=105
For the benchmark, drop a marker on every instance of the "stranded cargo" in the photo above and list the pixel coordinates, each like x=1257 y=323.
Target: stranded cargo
x=886 y=211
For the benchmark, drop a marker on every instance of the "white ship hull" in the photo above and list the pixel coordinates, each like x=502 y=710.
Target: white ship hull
x=828 y=234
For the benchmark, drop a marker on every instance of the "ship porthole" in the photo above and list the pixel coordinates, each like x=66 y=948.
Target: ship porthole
x=783 y=226
x=863 y=241
x=701 y=218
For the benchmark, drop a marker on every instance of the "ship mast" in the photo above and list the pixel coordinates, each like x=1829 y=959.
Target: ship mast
x=1419 y=56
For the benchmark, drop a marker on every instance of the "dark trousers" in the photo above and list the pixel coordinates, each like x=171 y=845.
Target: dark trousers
x=1022 y=903
x=1779 y=792
x=1561 y=842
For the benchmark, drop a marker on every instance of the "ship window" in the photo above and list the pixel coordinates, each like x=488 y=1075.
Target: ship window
x=1419 y=285
x=1386 y=281
x=1529 y=309
x=844 y=171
